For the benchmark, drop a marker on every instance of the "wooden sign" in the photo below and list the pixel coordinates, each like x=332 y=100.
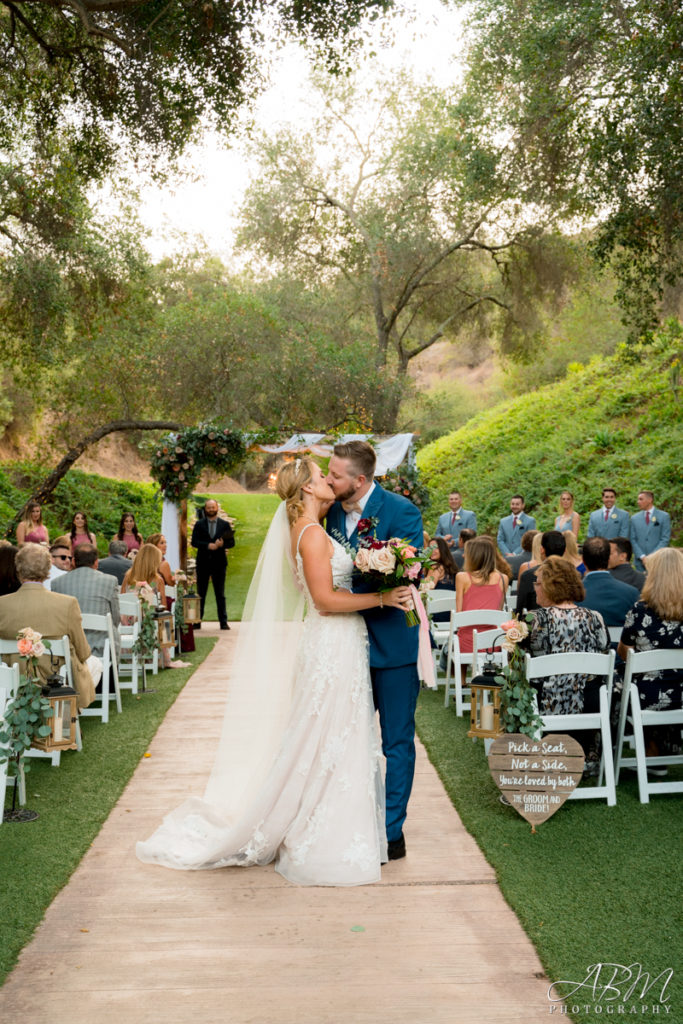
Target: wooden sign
x=536 y=775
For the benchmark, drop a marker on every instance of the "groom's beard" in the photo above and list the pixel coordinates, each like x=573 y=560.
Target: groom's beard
x=350 y=492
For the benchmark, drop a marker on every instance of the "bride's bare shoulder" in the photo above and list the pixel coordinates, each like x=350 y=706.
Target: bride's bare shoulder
x=304 y=539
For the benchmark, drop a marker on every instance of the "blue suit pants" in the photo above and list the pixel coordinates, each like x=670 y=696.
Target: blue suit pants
x=395 y=692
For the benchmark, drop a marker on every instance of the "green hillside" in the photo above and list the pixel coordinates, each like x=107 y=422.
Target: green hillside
x=616 y=422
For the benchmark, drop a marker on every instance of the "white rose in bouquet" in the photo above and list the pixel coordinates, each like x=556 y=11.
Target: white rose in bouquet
x=382 y=560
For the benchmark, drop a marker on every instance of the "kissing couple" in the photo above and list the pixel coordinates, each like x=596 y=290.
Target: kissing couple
x=297 y=777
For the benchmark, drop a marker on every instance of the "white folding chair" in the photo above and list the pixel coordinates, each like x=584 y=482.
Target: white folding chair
x=483 y=644
x=104 y=624
x=638 y=662
x=129 y=664
x=9 y=684
x=439 y=601
x=456 y=659
x=59 y=647
x=583 y=663
x=511 y=598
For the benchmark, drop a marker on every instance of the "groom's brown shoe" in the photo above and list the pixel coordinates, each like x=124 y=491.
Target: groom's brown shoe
x=396 y=848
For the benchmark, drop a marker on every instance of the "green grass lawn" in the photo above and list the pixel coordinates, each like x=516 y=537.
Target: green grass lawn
x=595 y=884
x=73 y=801
x=253 y=513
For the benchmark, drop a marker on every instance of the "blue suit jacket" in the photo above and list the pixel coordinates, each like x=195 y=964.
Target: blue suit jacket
x=610 y=597
x=392 y=641
x=509 y=539
x=465 y=520
x=617 y=525
x=647 y=538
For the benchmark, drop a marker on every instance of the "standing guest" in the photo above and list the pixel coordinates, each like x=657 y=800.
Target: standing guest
x=459 y=553
x=459 y=518
x=31 y=529
x=568 y=519
x=552 y=543
x=60 y=553
x=211 y=536
x=117 y=562
x=128 y=532
x=571 y=553
x=96 y=593
x=650 y=529
x=608 y=521
x=9 y=581
x=479 y=586
x=620 y=554
x=159 y=541
x=656 y=621
x=52 y=615
x=612 y=598
x=513 y=527
x=80 y=534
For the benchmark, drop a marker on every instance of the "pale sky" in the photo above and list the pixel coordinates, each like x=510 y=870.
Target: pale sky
x=425 y=37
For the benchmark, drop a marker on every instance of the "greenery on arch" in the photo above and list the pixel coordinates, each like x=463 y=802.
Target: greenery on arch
x=179 y=459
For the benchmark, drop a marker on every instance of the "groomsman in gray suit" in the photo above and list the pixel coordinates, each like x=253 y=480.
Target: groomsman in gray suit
x=650 y=529
x=459 y=518
x=609 y=521
x=512 y=527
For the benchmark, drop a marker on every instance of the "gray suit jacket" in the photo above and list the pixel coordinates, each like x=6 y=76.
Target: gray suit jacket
x=509 y=537
x=115 y=565
x=97 y=594
x=647 y=538
x=464 y=520
x=625 y=573
x=617 y=525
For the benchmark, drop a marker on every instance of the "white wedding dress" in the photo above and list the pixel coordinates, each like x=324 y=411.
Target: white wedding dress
x=319 y=809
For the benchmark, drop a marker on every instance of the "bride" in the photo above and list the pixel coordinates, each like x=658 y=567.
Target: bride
x=297 y=777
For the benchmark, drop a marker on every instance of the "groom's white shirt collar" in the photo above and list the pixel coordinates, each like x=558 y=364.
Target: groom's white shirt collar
x=353 y=518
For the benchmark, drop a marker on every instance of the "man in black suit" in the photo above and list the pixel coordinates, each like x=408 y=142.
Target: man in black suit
x=211 y=536
x=620 y=554
x=604 y=594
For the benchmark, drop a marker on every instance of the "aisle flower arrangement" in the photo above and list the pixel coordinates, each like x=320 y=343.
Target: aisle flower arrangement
x=518 y=711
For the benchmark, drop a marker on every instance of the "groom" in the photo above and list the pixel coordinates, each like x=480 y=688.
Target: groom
x=393 y=644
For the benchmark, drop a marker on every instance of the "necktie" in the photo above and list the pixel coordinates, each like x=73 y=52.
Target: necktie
x=514 y=522
x=606 y=515
x=212 y=529
x=452 y=518
x=647 y=518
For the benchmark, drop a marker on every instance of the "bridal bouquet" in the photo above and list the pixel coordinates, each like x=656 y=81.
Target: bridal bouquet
x=386 y=564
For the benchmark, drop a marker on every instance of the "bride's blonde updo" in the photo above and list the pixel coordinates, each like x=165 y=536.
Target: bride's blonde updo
x=290 y=479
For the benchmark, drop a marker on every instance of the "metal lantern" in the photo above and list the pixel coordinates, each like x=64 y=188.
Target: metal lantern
x=64 y=703
x=485 y=704
x=192 y=609
x=164 y=621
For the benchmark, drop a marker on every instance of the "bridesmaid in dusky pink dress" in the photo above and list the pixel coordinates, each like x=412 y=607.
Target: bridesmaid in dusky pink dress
x=31 y=529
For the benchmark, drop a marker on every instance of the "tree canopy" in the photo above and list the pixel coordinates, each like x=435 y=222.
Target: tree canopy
x=589 y=98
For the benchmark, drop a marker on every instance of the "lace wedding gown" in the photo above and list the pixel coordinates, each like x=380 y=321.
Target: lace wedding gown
x=320 y=812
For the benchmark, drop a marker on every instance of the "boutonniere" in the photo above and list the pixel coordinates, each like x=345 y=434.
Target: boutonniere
x=613 y=516
x=653 y=519
x=366 y=525
x=457 y=517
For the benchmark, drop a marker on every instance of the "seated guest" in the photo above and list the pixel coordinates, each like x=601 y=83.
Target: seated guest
x=31 y=529
x=60 y=553
x=442 y=573
x=512 y=527
x=650 y=529
x=568 y=519
x=117 y=563
x=620 y=553
x=128 y=533
x=560 y=626
x=96 y=593
x=519 y=562
x=604 y=594
x=145 y=569
x=9 y=581
x=481 y=585
x=656 y=621
x=534 y=559
x=571 y=553
x=451 y=523
x=159 y=541
x=552 y=543
x=459 y=552
x=80 y=534
x=52 y=615
x=502 y=564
